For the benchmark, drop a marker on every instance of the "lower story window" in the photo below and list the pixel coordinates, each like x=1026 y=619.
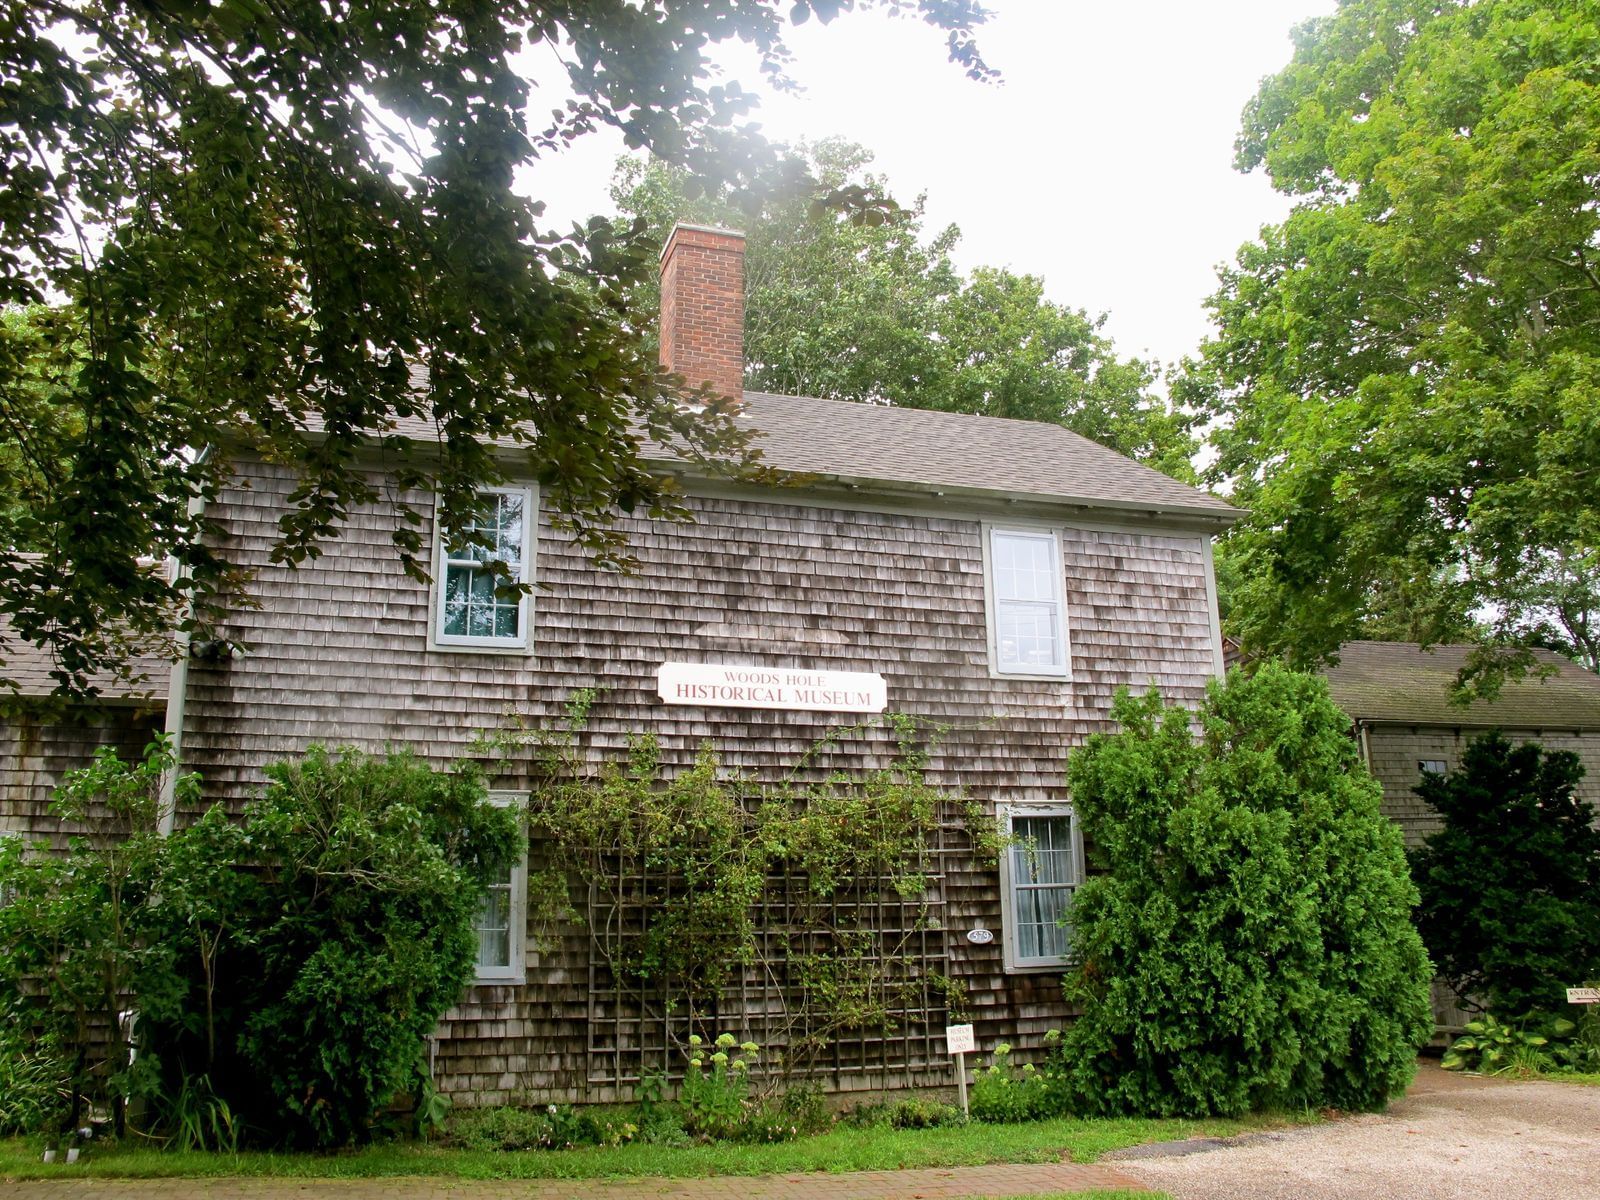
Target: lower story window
x=1042 y=867
x=501 y=921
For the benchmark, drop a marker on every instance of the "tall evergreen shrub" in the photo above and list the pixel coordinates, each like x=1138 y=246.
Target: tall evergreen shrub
x=320 y=941
x=1511 y=884
x=1248 y=942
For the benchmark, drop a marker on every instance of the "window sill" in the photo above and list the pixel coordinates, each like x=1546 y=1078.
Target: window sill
x=508 y=650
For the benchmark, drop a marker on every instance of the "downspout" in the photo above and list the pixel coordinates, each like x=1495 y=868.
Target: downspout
x=1219 y=664
x=178 y=686
x=1366 y=745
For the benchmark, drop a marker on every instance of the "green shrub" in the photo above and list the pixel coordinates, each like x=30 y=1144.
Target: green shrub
x=911 y=1112
x=80 y=937
x=1003 y=1092
x=554 y=1127
x=1510 y=885
x=1248 y=943
x=1495 y=1047
x=320 y=940
x=1580 y=1048
x=35 y=1080
x=802 y=1110
x=715 y=1095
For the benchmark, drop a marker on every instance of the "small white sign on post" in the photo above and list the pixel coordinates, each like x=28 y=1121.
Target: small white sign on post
x=961 y=1042
x=1583 y=995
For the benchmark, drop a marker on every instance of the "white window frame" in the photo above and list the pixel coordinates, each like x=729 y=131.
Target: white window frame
x=1016 y=964
x=523 y=642
x=516 y=970
x=991 y=603
x=1425 y=767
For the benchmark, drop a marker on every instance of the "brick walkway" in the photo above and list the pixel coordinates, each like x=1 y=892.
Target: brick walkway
x=947 y=1183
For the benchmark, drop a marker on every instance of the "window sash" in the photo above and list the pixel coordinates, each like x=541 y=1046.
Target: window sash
x=1043 y=868
x=1027 y=604
x=500 y=924
x=471 y=610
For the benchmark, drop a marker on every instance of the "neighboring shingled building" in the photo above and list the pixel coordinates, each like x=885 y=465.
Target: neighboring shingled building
x=1398 y=696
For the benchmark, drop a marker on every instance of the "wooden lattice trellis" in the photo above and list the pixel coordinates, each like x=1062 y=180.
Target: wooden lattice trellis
x=635 y=1033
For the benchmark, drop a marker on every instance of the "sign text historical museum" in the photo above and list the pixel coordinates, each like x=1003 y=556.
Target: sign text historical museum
x=732 y=686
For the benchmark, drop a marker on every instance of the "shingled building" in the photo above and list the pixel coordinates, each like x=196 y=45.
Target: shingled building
x=998 y=579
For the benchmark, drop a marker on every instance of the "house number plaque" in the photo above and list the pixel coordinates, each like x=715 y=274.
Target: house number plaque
x=712 y=685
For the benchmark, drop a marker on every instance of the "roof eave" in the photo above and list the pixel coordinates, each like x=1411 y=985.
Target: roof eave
x=1214 y=519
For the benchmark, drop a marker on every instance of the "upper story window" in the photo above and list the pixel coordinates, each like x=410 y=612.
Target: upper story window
x=501 y=924
x=1041 y=868
x=473 y=608
x=1432 y=766
x=1027 y=612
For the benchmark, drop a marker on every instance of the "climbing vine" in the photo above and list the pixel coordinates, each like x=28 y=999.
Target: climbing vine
x=677 y=869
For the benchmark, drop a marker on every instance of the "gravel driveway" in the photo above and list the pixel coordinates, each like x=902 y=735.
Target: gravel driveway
x=1451 y=1137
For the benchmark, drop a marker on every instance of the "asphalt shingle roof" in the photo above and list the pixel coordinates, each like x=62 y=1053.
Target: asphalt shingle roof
x=1401 y=682
x=29 y=668
x=874 y=442
x=919 y=448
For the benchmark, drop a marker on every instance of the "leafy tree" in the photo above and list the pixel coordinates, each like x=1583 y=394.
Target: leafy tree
x=1511 y=883
x=1406 y=370
x=1249 y=943
x=318 y=945
x=262 y=216
x=875 y=311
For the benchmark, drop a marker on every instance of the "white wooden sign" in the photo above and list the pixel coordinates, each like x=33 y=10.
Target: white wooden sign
x=715 y=685
x=959 y=1039
x=1583 y=995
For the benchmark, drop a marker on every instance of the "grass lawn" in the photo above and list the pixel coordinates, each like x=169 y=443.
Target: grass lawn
x=1587 y=1078
x=841 y=1149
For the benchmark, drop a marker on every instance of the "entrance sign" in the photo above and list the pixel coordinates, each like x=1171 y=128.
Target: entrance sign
x=711 y=685
x=1583 y=995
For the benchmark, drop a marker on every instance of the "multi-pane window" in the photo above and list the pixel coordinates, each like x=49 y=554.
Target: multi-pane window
x=1027 y=611
x=1431 y=766
x=500 y=921
x=477 y=571
x=1042 y=867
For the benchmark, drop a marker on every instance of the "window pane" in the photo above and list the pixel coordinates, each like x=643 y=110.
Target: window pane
x=1024 y=567
x=500 y=527
x=1026 y=634
x=1043 y=875
x=471 y=607
x=494 y=927
x=1039 y=931
x=1042 y=852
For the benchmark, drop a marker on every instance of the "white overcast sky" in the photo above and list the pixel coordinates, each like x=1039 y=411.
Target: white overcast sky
x=1102 y=162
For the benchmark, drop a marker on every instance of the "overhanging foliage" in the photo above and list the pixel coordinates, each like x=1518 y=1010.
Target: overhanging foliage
x=262 y=216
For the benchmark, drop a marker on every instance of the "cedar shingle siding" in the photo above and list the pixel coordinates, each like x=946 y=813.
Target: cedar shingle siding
x=37 y=751
x=338 y=654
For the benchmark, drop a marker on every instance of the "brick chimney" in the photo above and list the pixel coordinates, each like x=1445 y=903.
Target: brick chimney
x=702 y=307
